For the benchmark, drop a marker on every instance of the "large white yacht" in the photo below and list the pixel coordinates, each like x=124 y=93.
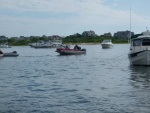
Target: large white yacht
x=140 y=49
x=106 y=44
x=47 y=44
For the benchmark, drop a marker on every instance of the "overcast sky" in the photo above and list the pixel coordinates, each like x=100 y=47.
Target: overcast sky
x=67 y=17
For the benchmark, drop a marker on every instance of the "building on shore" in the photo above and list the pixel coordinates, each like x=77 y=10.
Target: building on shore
x=123 y=34
x=89 y=33
x=107 y=34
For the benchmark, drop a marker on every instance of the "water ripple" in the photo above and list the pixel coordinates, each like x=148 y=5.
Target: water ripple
x=99 y=82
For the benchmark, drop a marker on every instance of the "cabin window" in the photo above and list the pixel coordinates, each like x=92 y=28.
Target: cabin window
x=146 y=42
x=136 y=42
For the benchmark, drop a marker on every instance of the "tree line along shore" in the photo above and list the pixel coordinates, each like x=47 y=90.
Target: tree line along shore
x=65 y=40
x=87 y=37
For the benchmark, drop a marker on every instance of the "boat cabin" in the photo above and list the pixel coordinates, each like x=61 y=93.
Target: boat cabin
x=140 y=49
x=107 y=41
x=142 y=39
x=141 y=42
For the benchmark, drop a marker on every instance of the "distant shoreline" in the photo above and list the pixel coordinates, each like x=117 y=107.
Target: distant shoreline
x=91 y=43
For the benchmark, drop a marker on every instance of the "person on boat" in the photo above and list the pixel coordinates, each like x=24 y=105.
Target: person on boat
x=77 y=47
x=67 y=47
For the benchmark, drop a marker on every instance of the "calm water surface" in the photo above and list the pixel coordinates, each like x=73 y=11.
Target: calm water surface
x=102 y=81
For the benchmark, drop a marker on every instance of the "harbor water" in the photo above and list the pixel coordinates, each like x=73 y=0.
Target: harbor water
x=100 y=81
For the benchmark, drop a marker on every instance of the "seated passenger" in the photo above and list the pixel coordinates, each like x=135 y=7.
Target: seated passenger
x=67 y=47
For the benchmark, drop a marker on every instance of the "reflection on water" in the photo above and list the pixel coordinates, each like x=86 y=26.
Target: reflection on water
x=140 y=80
x=140 y=74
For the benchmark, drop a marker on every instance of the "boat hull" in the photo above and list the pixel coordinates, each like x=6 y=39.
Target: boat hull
x=47 y=46
x=140 y=58
x=44 y=46
x=5 y=46
x=10 y=55
x=70 y=51
x=107 y=45
x=1 y=55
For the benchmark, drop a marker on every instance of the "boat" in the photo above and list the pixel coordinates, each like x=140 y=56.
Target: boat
x=32 y=44
x=11 y=54
x=1 y=53
x=106 y=44
x=48 y=44
x=67 y=51
x=139 y=53
x=4 y=46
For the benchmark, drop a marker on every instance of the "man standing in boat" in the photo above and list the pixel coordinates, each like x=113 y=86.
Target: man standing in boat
x=77 y=47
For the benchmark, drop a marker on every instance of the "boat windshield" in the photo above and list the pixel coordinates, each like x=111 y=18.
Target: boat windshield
x=107 y=40
x=137 y=42
x=146 y=42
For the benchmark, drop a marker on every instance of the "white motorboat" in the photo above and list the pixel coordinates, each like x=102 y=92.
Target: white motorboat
x=4 y=46
x=48 y=44
x=106 y=44
x=140 y=49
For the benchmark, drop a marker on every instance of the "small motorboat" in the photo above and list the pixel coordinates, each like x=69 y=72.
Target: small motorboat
x=68 y=51
x=11 y=54
x=4 y=46
x=106 y=44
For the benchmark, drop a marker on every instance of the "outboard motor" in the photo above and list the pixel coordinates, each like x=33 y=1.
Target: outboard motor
x=83 y=50
x=14 y=51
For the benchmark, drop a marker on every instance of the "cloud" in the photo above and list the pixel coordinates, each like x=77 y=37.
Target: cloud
x=41 y=5
x=64 y=16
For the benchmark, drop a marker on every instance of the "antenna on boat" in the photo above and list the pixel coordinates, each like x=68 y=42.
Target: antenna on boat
x=130 y=27
x=146 y=31
x=146 y=28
